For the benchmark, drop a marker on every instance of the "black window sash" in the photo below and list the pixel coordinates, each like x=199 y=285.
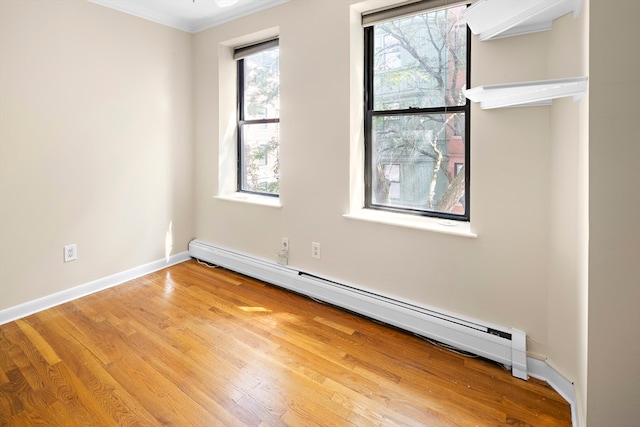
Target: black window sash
x=370 y=113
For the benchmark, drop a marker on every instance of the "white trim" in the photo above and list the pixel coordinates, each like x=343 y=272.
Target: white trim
x=139 y=10
x=31 y=307
x=536 y=368
x=205 y=24
x=252 y=199
x=541 y=370
x=438 y=225
x=533 y=93
x=498 y=343
x=491 y=19
x=182 y=19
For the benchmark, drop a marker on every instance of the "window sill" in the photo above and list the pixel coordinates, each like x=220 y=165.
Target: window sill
x=445 y=226
x=252 y=199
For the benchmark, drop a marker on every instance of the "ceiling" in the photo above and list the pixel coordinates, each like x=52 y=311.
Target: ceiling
x=189 y=15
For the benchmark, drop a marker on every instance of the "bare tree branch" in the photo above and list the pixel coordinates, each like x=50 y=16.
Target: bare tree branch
x=453 y=193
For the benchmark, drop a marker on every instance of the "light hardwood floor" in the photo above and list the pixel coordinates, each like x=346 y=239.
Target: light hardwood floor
x=195 y=346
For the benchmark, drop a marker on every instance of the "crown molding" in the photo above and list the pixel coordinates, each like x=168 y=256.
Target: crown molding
x=131 y=8
x=145 y=10
x=205 y=24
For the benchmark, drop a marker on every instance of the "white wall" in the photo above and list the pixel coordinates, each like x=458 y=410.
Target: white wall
x=95 y=144
x=500 y=277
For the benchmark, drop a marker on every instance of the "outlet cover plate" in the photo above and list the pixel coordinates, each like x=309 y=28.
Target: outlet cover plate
x=70 y=253
x=315 y=250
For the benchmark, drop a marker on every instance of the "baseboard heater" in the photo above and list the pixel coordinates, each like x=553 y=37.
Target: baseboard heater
x=501 y=344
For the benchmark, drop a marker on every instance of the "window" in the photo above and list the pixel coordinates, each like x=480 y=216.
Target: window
x=416 y=114
x=259 y=118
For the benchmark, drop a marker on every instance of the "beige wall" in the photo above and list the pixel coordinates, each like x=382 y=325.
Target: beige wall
x=100 y=113
x=500 y=277
x=568 y=57
x=613 y=393
x=95 y=144
x=531 y=266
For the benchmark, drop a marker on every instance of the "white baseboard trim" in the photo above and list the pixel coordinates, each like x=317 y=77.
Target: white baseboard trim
x=541 y=370
x=387 y=310
x=536 y=368
x=502 y=344
x=31 y=307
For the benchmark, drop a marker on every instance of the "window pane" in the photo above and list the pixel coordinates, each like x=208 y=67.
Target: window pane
x=262 y=85
x=420 y=61
x=260 y=157
x=417 y=162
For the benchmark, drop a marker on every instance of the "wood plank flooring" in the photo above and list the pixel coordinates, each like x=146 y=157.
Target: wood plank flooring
x=195 y=346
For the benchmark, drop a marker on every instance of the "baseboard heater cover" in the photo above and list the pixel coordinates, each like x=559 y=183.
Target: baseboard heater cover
x=500 y=344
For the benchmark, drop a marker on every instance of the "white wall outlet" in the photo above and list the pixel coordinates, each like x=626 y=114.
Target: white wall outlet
x=283 y=253
x=315 y=250
x=70 y=253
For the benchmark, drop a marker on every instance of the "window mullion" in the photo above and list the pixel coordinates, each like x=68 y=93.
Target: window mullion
x=258 y=121
x=418 y=111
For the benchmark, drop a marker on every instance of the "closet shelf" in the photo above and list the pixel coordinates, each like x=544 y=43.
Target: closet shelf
x=527 y=93
x=492 y=19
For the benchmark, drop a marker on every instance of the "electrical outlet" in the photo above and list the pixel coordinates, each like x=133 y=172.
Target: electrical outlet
x=315 y=250
x=70 y=253
x=283 y=253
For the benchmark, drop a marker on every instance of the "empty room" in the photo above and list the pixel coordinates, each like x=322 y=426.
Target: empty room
x=320 y=212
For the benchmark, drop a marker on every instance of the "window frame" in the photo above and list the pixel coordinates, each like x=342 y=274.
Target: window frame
x=240 y=113
x=370 y=113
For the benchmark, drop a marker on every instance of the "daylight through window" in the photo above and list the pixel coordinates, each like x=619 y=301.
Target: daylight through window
x=417 y=117
x=259 y=118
